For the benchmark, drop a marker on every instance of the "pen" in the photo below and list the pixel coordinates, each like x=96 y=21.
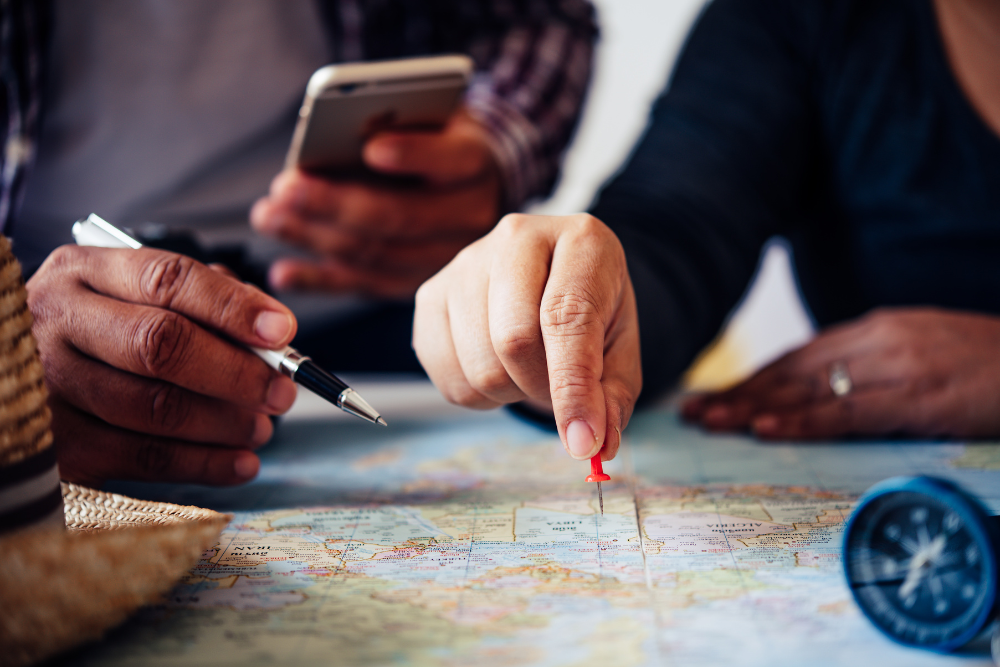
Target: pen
x=95 y=231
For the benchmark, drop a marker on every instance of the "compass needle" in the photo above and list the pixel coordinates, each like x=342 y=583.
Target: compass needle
x=908 y=544
x=923 y=537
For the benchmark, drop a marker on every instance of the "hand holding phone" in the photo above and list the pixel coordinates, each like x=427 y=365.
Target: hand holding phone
x=384 y=237
x=345 y=105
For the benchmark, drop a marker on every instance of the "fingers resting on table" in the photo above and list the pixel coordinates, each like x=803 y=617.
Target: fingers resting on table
x=919 y=371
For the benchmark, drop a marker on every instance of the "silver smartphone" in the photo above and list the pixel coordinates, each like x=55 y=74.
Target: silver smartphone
x=346 y=104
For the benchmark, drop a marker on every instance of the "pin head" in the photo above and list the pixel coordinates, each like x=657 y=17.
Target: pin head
x=597 y=470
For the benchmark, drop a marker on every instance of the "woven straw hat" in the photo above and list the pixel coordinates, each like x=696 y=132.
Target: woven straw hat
x=76 y=562
x=29 y=482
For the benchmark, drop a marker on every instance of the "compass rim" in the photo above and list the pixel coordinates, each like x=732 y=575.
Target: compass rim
x=950 y=494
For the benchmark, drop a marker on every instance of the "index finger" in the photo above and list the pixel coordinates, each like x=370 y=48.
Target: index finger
x=579 y=304
x=180 y=284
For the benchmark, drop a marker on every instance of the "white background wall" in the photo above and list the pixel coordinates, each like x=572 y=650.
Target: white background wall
x=640 y=40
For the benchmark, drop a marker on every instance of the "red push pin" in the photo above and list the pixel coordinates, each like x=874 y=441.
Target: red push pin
x=597 y=475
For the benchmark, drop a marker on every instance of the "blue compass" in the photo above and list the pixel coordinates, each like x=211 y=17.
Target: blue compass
x=921 y=558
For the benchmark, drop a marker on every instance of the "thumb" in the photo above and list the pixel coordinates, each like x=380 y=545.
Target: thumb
x=458 y=153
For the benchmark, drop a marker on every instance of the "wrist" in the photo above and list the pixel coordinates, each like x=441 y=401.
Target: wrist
x=513 y=141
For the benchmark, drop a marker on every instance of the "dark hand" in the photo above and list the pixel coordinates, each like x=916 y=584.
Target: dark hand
x=379 y=239
x=142 y=386
x=924 y=372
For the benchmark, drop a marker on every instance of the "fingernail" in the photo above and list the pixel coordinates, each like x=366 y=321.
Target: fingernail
x=266 y=221
x=281 y=394
x=291 y=189
x=246 y=465
x=279 y=277
x=765 y=424
x=580 y=440
x=381 y=154
x=274 y=327
x=262 y=430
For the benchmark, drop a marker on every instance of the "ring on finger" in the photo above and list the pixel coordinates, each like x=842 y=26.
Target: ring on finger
x=840 y=379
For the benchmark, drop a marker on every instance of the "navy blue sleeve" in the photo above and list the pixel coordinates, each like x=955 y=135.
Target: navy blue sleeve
x=724 y=162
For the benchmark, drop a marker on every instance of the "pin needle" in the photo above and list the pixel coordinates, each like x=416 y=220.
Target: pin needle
x=597 y=475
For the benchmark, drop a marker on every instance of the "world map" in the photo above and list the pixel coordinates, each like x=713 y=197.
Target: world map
x=483 y=546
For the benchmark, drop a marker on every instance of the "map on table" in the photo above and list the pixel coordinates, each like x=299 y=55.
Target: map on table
x=477 y=542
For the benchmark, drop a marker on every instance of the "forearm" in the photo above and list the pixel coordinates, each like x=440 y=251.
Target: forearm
x=530 y=90
x=726 y=163
x=687 y=278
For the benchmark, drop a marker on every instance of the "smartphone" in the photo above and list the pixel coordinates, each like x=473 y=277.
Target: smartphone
x=346 y=104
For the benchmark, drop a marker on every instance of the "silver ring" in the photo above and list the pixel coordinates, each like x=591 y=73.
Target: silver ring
x=840 y=379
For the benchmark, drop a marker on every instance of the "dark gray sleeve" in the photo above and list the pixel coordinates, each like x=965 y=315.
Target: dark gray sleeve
x=720 y=169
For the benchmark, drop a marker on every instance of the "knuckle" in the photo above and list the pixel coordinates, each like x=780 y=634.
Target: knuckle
x=597 y=239
x=513 y=224
x=233 y=302
x=462 y=394
x=572 y=380
x=62 y=258
x=883 y=323
x=49 y=281
x=491 y=381
x=570 y=313
x=518 y=343
x=47 y=308
x=170 y=408
x=469 y=256
x=164 y=276
x=587 y=225
x=161 y=342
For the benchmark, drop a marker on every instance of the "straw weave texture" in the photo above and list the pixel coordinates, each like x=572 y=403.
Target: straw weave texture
x=24 y=414
x=92 y=510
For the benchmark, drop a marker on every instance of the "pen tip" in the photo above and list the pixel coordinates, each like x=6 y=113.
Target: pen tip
x=381 y=421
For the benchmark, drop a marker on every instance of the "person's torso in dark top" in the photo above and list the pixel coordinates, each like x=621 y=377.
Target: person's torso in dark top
x=911 y=209
x=837 y=123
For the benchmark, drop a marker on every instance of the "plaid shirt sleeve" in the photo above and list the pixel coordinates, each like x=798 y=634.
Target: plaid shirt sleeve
x=533 y=62
x=24 y=28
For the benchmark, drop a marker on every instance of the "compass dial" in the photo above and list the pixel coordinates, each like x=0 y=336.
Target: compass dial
x=922 y=563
